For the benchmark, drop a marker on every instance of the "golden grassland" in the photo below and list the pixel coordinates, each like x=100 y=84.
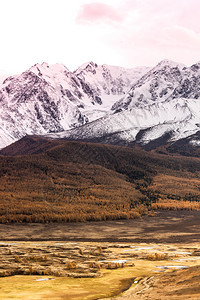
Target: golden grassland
x=72 y=268
x=65 y=288
x=76 y=182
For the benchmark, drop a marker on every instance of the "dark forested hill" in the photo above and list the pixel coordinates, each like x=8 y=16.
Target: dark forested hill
x=45 y=180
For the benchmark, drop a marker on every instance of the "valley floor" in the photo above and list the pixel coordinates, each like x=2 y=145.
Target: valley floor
x=149 y=258
x=164 y=227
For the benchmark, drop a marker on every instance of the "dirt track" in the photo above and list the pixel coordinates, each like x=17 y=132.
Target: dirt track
x=165 y=227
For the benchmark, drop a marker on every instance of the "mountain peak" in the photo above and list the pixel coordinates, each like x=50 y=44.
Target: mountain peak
x=44 y=69
x=88 y=66
x=59 y=68
x=42 y=65
x=169 y=63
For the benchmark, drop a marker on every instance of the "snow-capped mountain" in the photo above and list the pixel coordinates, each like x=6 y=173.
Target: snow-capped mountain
x=108 y=84
x=162 y=106
x=47 y=98
x=155 y=86
x=178 y=117
x=103 y=103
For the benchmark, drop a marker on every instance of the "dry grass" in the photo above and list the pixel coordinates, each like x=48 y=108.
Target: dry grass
x=84 y=278
x=76 y=276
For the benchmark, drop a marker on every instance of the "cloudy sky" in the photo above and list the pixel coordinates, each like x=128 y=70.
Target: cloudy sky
x=118 y=32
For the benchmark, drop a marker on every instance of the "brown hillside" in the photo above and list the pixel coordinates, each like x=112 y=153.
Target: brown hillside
x=63 y=181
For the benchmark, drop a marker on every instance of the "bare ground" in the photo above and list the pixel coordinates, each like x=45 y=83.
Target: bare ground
x=165 y=227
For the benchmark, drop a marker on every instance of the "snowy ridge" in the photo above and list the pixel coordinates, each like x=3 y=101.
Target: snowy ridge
x=158 y=119
x=162 y=102
x=48 y=98
x=109 y=83
x=103 y=103
x=157 y=85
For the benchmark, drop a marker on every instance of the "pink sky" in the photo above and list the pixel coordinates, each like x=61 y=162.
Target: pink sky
x=127 y=33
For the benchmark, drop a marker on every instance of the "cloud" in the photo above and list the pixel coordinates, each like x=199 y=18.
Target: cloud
x=98 y=12
x=153 y=30
x=118 y=32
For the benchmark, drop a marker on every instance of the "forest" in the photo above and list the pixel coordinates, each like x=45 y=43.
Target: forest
x=45 y=181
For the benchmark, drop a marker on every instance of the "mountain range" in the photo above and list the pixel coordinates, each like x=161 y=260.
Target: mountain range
x=151 y=107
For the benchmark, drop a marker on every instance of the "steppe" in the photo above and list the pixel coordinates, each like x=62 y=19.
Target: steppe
x=148 y=258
